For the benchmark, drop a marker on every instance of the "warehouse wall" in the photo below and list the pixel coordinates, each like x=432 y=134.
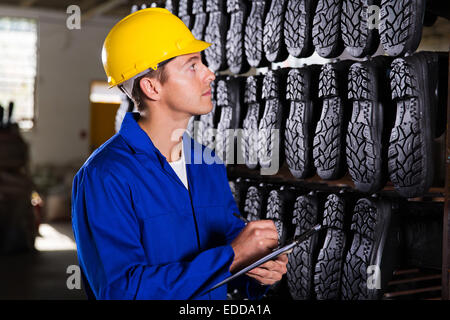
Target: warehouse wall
x=68 y=60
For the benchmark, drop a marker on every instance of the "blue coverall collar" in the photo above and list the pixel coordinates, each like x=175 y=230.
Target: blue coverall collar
x=141 y=143
x=137 y=138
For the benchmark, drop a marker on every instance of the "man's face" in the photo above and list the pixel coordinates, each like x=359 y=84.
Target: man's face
x=187 y=88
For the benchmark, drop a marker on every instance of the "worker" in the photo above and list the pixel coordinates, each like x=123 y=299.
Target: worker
x=151 y=219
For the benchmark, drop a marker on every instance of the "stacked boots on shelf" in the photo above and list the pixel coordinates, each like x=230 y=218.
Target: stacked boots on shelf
x=279 y=209
x=271 y=126
x=326 y=29
x=255 y=205
x=370 y=123
x=298 y=24
x=360 y=38
x=185 y=13
x=329 y=139
x=236 y=61
x=300 y=274
x=205 y=130
x=273 y=40
x=172 y=6
x=415 y=84
x=239 y=189
x=301 y=91
x=230 y=100
x=216 y=33
x=329 y=266
x=401 y=25
x=373 y=252
x=254 y=33
x=249 y=141
x=199 y=14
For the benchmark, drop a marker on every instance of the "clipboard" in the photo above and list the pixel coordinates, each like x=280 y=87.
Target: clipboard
x=285 y=249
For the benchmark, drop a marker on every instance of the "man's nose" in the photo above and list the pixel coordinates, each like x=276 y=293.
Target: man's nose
x=210 y=76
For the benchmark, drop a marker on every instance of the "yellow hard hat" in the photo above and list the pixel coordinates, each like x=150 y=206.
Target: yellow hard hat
x=143 y=39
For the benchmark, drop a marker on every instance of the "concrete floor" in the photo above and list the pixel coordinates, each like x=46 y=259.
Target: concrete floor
x=42 y=274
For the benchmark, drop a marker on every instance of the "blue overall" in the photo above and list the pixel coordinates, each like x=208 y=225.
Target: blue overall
x=141 y=234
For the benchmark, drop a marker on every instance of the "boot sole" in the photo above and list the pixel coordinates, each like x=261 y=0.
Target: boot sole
x=326 y=29
x=235 y=37
x=410 y=148
x=298 y=28
x=329 y=266
x=299 y=125
x=359 y=40
x=364 y=134
x=273 y=39
x=254 y=31
x=370 y=225
x=329 y=139
x=249 y=146
x=300 y=274
x=401 y=25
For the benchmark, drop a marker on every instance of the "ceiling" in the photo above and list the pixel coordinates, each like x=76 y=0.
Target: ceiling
x=119 y=8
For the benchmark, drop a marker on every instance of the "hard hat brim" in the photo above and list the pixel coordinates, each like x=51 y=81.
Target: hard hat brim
x=191 y=47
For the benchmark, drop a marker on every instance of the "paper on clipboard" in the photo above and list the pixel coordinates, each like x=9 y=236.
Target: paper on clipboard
x=270 y=256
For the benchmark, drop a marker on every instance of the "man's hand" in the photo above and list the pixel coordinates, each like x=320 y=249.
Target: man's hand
x=256 y=240
x=270 y=272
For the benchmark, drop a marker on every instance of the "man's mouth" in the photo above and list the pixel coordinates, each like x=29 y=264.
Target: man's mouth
x=208 y=93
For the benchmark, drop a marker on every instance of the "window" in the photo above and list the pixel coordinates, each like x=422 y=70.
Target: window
x=18 y=60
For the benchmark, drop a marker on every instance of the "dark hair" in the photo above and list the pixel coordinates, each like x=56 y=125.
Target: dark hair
x=160 y=74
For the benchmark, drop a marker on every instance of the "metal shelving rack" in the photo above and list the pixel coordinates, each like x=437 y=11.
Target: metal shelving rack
x=437 y=193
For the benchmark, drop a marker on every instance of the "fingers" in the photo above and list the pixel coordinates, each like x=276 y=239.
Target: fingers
x=275 y=266
x=265 y=276
x=283 y=258
x=271 y=271
x=266 y=233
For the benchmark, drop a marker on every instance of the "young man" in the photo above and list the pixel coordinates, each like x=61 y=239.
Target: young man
x=153 y=220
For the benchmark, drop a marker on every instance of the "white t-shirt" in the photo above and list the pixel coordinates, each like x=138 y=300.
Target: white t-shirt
x=179 y=167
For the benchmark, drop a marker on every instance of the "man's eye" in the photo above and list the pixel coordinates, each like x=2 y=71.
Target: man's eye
x=193 y=66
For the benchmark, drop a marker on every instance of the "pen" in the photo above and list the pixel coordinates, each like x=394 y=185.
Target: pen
x=240 y=217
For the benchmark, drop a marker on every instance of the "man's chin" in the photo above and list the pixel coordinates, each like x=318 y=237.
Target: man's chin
x=203 y=110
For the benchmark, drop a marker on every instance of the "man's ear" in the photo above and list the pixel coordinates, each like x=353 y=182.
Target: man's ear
x=151 y=88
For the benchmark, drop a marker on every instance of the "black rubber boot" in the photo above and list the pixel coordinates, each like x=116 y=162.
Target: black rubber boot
x=274 y=46
x=185 y=13
x=172 y=6
x=236 y=61
x=366 y=137
x=372 y=256
x=298 y=24
x=302 y=259
x=280 y=204
x=301 y=91
x=216 y=33
x=239 y=189
x=401 y=25
x=254 y=31
x=249 y=141
x=271 y=126
x=256 y=201
x=205 y=133
x=329 y=139
x=414 y=81
x=326 y=30
x=359 y=39
x=230 y=99
x=329 y=266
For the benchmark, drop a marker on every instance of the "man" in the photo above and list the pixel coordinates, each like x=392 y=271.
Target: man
x=150 y=220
